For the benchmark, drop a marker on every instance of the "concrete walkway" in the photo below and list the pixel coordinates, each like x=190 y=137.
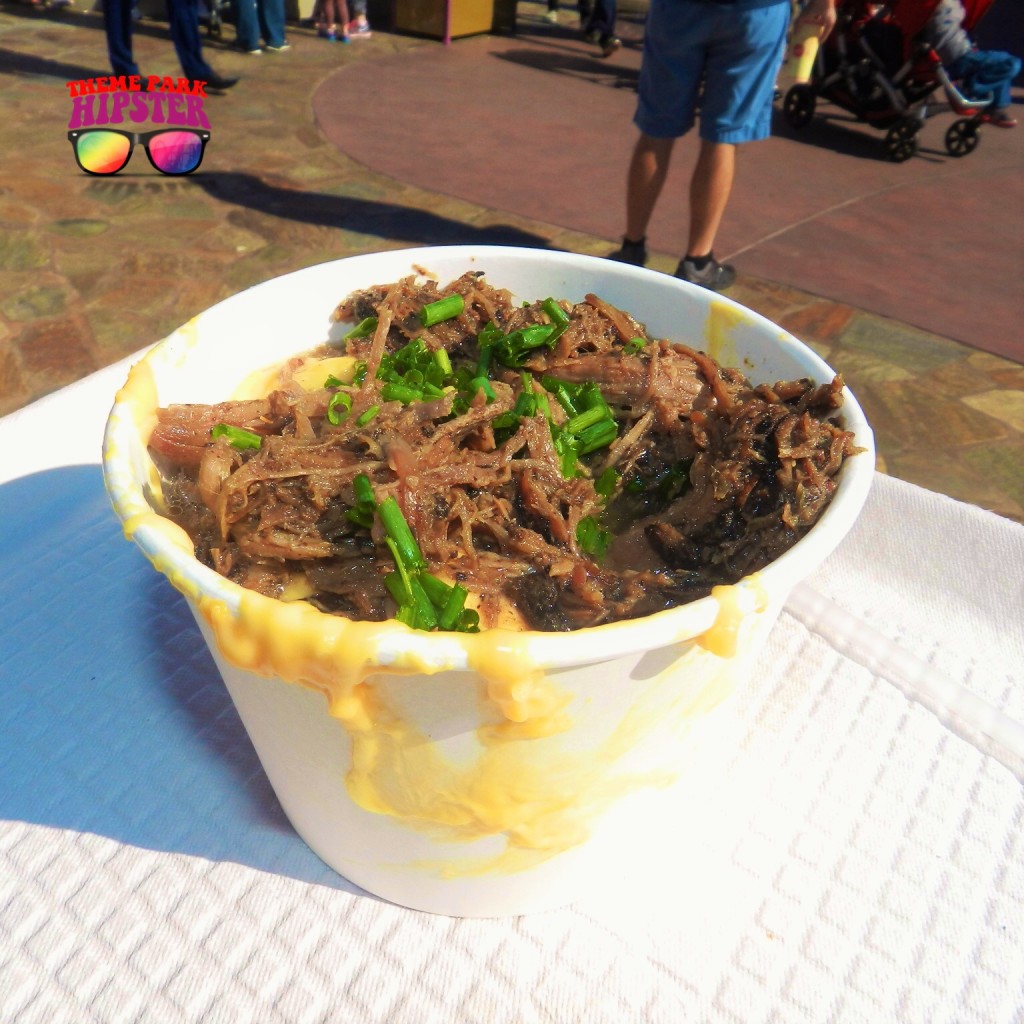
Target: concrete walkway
x=92 y=269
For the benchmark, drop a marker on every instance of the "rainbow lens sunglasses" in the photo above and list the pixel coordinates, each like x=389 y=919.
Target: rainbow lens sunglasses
x=170 y=150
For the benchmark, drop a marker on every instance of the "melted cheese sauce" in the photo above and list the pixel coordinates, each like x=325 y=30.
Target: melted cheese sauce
x=529 y=782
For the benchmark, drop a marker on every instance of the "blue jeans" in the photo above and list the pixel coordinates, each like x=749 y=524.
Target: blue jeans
x=184 y=24
x=986 y=71
x=256 y=18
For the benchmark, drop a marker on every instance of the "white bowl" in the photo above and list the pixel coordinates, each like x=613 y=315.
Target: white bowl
x=475 y=775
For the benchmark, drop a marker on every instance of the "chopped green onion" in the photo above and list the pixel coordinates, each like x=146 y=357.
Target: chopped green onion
x=634 y=346
x=555 y=311
x=585 y=419
x=469 y=621
x=363 y=488
x=333 y=382
x=437 y=590
x=592 y=539
x=443 y=309
x=426 y=614
x=366 y=505
x=484 y=385
x=364 y=417
x=398 y=530
x=568 y=448
x=406 y=614
x=400 y=393
x=597 y=436
x=483 y=365
x=515 y=348
x=237 y=437
x=363 y=329
x=340 y=400
x=605 y=483
x=453 y=607
x=398 y=588
x=360 y=515
x=443 y=361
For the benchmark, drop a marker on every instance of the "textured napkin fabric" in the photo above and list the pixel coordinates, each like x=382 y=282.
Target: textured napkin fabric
x=852 y=853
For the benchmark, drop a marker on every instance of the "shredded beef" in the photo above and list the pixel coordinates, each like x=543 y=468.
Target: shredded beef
x=707 y=478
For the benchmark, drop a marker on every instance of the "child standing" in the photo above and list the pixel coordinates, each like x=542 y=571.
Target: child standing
x=333 y=20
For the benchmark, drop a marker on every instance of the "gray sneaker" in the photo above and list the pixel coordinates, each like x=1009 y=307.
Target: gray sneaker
x=714 y=275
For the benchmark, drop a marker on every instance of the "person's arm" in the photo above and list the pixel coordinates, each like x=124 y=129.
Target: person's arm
x=818 y=12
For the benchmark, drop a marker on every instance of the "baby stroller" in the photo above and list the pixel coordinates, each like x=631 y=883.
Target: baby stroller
x=875 y=65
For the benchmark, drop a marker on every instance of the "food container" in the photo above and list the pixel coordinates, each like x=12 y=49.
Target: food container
x=476 y=775
x=803 y=51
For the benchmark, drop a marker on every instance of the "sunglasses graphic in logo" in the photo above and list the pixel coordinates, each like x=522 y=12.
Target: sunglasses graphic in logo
x=108 y=150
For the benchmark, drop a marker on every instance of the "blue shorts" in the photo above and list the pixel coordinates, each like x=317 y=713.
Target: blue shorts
x=734 y=51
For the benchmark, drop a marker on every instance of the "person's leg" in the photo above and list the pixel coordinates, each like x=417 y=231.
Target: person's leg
x=271 y=15
x=247 y=26
x=710 y=188
x=994 y=71
x=743 y=56
x=184 y=24
x=117 y=22
x=600 y=27
x=360 y=26
x=648 y=169
x=670 y=78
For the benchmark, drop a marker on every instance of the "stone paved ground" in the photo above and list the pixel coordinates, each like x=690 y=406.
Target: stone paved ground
x=92 y=269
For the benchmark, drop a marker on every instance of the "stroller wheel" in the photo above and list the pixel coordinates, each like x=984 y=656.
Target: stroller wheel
x=962 y=137
x=798 y=105
x=901 y=140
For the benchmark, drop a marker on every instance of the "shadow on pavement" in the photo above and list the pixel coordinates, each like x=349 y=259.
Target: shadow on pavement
x=841 y=133
x=574 y=64
x=14 y=63
x=365 y=216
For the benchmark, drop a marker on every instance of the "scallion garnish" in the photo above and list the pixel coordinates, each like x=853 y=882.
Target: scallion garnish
x=237 y=437
x=361 y=513
x=424 y=601
x=363 y=329
x=363 y=489
x=453 y=607
x=398 y=530
x=592 y=539
x=555 y=311
x=364 y=417
x=339 y=407
x=400 y=393
x=605 y=483
x=426 y=613
x=586 y=419
x=515 y=348
x=597 y=436
x=447 y=308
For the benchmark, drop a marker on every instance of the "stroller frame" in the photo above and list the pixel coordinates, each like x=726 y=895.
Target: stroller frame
x=860 y=71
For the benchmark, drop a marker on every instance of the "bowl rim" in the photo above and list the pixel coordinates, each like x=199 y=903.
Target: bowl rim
x=549 y=650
